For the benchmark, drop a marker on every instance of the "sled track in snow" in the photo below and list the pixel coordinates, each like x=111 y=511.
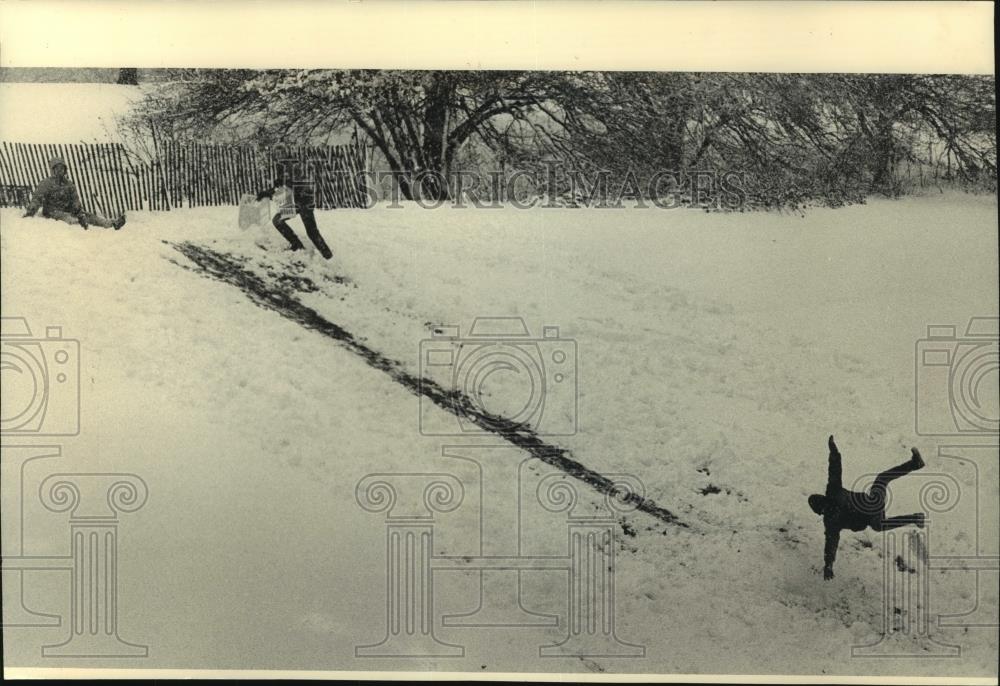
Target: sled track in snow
x=228 y=269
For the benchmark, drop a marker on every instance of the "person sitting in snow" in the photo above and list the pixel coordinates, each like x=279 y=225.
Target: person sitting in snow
x=297 y=197
x=56 y=196
x=843 y=509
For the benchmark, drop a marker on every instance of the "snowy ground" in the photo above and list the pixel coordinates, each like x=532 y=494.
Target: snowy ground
x=716 y=352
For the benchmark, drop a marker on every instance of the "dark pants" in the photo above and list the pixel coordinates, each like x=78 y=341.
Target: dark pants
x=878 y=495
x=70 y=218
x=309 y=220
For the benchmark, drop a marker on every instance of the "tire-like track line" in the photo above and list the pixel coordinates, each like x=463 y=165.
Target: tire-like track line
x=228 y=269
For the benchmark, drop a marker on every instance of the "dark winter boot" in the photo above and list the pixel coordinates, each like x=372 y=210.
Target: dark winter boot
x=321 y=245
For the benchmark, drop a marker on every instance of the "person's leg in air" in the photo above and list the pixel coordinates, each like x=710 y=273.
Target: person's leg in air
x=879 y=494
x=887 y=523
x=914 y=463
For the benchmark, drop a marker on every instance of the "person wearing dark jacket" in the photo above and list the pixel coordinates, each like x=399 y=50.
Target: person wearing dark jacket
x=56 y=196
x=843 y=509
x=297 y=197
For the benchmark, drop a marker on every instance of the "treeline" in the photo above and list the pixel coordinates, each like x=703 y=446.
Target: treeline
x=792 y=138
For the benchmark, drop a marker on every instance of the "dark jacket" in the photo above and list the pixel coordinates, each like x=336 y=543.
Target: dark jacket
x=53 y=195
x=288 y=175
x=843 y=509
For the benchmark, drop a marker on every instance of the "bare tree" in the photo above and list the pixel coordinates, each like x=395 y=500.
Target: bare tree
x=417 y=120
x=838 y=137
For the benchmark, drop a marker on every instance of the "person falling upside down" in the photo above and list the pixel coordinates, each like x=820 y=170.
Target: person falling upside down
x=297 y=197
x=843 y=509
x=56 y=196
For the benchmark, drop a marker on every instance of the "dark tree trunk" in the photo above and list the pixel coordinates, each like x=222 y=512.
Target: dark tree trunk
x=673 y=143
x=128 y=77
x=882 y=162
x=435 y=130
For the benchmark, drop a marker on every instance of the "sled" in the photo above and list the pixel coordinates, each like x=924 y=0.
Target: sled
x=253 y=212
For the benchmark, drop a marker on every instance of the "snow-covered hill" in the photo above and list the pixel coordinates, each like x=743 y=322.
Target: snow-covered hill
x=715 y=353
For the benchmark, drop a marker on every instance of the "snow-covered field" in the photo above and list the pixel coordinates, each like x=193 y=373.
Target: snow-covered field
x=715 y=353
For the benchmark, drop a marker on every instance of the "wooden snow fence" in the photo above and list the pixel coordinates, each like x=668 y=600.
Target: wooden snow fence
x=110 y=179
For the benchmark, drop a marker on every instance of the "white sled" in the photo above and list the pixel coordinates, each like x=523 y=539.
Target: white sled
x=253 y=212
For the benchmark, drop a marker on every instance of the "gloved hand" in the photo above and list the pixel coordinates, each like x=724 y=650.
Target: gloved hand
x=264 y=194
x=827 y=573
x=27 y=213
